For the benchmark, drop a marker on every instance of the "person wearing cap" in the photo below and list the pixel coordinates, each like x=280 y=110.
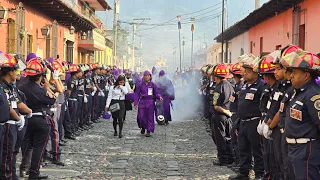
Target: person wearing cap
x=72 y=86
x=16 y=122
x=249 y=139
x=210 y=90
x=81 y=94
x=96 y=81
x=166 y=91
x=222 y=115
x=235 y=70
x=303 y=113
x=146 y=94
x=39 y=100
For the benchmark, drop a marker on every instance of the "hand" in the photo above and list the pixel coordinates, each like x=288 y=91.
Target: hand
x=260 y=127
x=29 y=115
x=55 y=75
x=106 y=108
x=161 y=99
x=266 y=132
x=21 y=123
x=228 y=113
x=136 y=107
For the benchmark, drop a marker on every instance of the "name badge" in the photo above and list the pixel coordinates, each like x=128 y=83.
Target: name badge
x=150 y=91
x=296 y=114
x=249 y=96
x=276 y=96
x=281 y=107
x=232 y=98
x=14 y=104
x=268 y=105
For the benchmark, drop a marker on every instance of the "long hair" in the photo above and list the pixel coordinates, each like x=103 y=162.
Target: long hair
x=120 y=78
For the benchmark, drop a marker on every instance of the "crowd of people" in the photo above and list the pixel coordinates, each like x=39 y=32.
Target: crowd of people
x=264 y=114
x=45 y=102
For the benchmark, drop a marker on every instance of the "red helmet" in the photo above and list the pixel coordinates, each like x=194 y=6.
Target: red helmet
x=221 y=70
x=235 y=69
x=266 y=65
x=8 y=61
x=34 y=68
x=57 y=66
x=289 y=49
x=302 y=60
x=74 y=68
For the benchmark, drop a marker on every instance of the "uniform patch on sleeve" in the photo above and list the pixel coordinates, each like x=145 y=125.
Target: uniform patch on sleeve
x=72 y=85
x=216 y=96
x=315 y=97
x=317 y=104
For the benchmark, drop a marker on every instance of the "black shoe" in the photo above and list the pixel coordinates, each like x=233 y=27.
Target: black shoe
x=58 y=163
x=64 y=141
x=143 y=131
x=115 y=133
x=166 y=123
x=40 y=176
x=62 y=144
x=120 y=135
x=23 y=173
x=232 y=165
x=148 y=134
x=77 y=133
x=70 y=137
x=239 y=176
x=218 y=163
x=95 y=121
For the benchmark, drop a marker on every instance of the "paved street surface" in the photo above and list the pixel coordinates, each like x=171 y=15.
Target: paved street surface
x=182 y=150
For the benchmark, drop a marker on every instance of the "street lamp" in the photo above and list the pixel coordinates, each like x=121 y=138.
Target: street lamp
x=45 y=30
x=83 y=36
x=72 y=29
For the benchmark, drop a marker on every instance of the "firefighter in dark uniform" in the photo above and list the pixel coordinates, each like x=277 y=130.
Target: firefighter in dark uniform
x=222 y=123
x=235 y=70
x=249 y=115
x=97 y=92
x=5 y=109
x=39 y=100
x=210 y=89
x=72 y=85
x=81 y=94
x=102 y=85
x=9 y=67
x=203 y=84
x=65 y=115
x=88 y=89
x=303 y=115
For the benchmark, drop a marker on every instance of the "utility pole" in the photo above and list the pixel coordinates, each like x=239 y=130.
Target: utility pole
x=192 y=30
x=222 y=30
x=183 y=43
x=179 y=27
x=133 y=37
x=115 y=29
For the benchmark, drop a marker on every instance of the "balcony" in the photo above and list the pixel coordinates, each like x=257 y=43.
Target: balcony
x=98 y=5
x=95 y=41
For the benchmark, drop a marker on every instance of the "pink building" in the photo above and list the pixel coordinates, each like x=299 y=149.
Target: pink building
x=278 y=23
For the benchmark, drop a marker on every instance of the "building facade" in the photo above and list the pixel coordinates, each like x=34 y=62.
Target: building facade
x=53 y=29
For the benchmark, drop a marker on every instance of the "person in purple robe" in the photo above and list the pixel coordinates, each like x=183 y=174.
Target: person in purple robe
x=146 y=94
x=166 y=90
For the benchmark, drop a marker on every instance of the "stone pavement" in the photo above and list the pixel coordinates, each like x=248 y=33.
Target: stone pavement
x=181 y=150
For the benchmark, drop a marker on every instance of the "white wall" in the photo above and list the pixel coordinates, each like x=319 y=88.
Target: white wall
x=241 y=41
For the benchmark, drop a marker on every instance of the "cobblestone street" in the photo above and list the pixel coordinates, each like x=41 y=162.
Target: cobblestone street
x=182 y=150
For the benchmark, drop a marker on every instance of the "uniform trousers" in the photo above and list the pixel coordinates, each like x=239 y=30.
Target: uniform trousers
x=80 y=111
x=88 y=109
x=234 y=137
x=288 y=169
x=65 y=119
x=73 y=109
x=18 y=145
x=250 y=145
x=277 y=155
x=305 y=160
x=2 y=130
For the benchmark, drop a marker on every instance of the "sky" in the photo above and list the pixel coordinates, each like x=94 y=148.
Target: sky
x=161 y=35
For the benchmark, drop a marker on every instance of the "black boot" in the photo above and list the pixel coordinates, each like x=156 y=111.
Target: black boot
x=143 y=131
x=148 y=134
x=39 y=176
x=115 y=127
x=120 y=127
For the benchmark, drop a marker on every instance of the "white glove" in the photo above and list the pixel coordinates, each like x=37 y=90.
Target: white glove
x=94 y=89
x=102 y=94
x=106 y=88
x=260 y=127
x=21 y=123
x=266 y=132
x=199 y=91
x=85 y=99
x=55 y=75
x=28 y=116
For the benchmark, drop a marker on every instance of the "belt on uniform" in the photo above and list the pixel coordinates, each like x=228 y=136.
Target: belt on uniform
x=251 y=119
x=72 y=99
x=37 y=114
x=53 y=109
x=11 y=122
x=282 y=130
x=299 y=141
x=80 y=95
x=263 y=114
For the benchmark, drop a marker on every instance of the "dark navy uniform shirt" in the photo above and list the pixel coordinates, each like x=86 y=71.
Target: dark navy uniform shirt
x=264 y=100
x=211 y=86
x=303 y=112
x=95 y=79
x=235 y=96
x=221 y=95
x=80 y=85
x=273 y=105
x=4 y=106
x=72 y=86
x=249 y=100
x=12 y=96
x=66 y=96
x=88 y=85
x=287 y=92
x=37 y=97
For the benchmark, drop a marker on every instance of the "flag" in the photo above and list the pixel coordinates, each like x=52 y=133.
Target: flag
x=192 y=27
x=179 y=25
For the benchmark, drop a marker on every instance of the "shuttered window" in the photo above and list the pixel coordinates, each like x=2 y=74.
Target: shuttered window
x=54 y=39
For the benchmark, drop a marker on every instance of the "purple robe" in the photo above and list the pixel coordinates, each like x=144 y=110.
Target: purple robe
x=166 y=90
x=146 y=105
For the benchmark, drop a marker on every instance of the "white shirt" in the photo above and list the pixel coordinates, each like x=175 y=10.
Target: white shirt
x=116 y=94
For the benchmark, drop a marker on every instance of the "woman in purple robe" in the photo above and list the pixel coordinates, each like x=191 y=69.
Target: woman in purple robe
x=146 y=94
x=166 y=90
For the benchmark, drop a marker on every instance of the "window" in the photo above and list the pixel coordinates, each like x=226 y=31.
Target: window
x=29 y=44
x=48 y=46
x=302 y=36
x=261 y=45
x=11 y=36
x=241 y=51
x=278 y=47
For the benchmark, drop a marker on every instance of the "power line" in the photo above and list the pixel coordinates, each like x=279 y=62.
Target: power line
x=144 y=1
x=201 y=9
x=241 y=8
